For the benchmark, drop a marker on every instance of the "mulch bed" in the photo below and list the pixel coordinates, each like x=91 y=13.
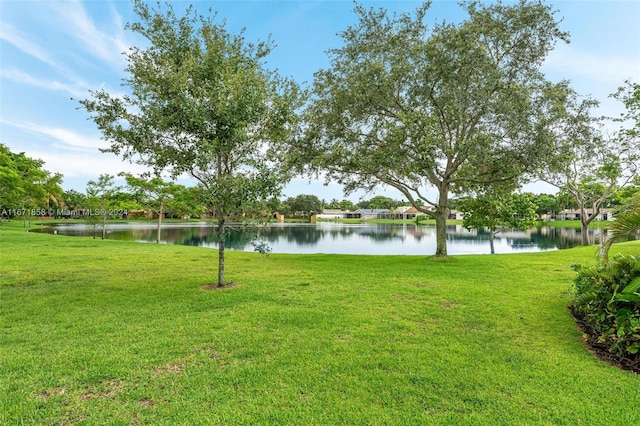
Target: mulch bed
x=598 y=349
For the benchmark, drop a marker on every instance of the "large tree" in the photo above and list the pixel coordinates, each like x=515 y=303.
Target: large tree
x=202 y=103
x=414 y=107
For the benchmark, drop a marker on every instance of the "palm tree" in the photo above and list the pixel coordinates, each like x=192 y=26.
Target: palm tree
x=624 y=224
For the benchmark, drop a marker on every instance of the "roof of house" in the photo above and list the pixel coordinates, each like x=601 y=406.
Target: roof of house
x=372 y=211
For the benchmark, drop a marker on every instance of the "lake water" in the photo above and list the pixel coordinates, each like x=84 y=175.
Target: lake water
x=328 y=237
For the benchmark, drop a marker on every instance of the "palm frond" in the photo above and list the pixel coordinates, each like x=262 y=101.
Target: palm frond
x=623 y=225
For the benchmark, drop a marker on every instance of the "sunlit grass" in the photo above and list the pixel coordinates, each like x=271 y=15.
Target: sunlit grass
x=107 y=332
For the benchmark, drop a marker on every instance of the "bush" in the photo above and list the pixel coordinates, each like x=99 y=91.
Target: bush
x=607 y=299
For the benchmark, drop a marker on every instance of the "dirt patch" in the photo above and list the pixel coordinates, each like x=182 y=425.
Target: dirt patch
x=217 y=287
x=50 y=393
x=108 y=389
x=170 y=369
x=590 y=341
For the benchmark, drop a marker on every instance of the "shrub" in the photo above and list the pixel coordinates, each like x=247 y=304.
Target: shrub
x=607 y=298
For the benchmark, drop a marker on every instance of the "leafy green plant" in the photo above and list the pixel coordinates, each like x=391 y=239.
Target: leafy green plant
x=261 y=245
x=624 y=225
x=607 y=298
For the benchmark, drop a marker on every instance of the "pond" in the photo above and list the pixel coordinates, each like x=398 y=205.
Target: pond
x=338 y=238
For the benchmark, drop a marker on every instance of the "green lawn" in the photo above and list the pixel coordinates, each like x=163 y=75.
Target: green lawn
x=107 y=332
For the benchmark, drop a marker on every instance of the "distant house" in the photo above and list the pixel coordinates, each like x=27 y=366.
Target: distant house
x=569 y=214
x=456 y=215
x=331 y=214
x=367 y=214
x=402 y=212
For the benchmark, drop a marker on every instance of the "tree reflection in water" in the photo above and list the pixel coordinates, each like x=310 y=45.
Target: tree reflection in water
x=345 y=238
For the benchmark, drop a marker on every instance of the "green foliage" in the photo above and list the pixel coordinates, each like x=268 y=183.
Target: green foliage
x=607 y=297
x=25 y=186
x=496 y=210
x=74 y=200
x=261 y=245
x=379 y=202
x=546 y=204
x=624 y=224
x=303 y=203
x=629 y=95
x=101 y=203
x=345 y=205
x=627 y=198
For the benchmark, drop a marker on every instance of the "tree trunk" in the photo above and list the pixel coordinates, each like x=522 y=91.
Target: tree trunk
x=585 y=233
x=221 y=235
x=441 y=232
x=159 y=222
x=441 y=215
x=492 y=236
x=585 y=220
x=104 y=226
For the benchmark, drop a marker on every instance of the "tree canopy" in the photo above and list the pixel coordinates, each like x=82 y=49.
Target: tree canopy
x=497 y=210
x=448 y=106
x=26 y=186
x=303 y=203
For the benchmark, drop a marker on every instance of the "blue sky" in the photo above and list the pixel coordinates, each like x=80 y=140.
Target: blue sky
x=54 y=50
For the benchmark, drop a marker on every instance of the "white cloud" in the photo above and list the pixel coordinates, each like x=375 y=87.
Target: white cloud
x=77 y=90
x=78 y=24
x=15 y=37
x=62 y=138
x=85 y=166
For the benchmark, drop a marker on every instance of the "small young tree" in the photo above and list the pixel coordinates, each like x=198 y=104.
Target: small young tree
x=152 y=193
x=202 y=104
x=496 y=211
x=100 y=202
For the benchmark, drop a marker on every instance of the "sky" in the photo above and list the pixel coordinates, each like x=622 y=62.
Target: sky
x=53 y=52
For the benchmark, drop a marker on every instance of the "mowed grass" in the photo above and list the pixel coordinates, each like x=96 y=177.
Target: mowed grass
x=106 y=332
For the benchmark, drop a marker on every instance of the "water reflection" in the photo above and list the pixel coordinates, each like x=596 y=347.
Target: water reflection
x=345 y=238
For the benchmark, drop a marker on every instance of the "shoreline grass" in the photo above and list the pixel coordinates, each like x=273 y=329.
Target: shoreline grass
x=109 y=332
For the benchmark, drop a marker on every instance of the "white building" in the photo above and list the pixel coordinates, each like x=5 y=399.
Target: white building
x=571 y=214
